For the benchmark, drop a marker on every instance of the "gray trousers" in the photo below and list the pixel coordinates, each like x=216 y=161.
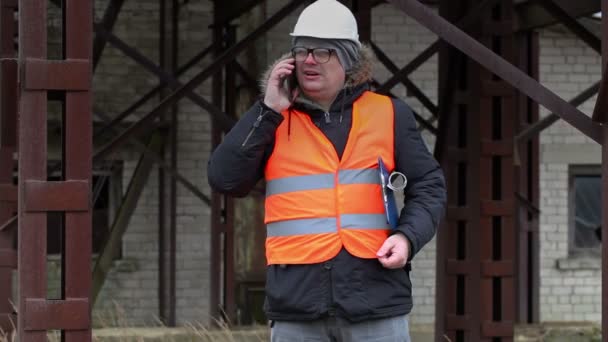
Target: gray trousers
x=333 y=329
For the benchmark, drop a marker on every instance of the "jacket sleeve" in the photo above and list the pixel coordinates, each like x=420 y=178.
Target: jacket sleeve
x=425 y=194
x=237 y=164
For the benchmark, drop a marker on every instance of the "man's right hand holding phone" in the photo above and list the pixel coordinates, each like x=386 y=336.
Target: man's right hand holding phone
x=276 y=96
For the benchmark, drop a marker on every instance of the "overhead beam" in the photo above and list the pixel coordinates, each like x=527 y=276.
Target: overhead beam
x=503 y=69
x=467 y=20
x=548 y=120
x=572 y=24
x=531 y=16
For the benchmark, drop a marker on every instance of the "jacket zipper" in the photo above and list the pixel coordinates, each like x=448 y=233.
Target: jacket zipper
x=327 y=118
x=255 y=125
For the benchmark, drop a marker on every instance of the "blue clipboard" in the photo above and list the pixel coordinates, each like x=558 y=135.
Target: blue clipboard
x=388 y=197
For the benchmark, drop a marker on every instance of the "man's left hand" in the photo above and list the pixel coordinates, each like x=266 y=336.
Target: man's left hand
x=394 y=251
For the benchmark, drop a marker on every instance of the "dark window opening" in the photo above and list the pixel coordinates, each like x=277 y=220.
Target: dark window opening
x=585 y=209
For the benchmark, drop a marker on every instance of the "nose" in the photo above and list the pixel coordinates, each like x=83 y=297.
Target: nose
x=310 y=59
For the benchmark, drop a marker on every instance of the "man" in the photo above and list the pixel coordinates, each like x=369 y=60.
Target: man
x=336 y=271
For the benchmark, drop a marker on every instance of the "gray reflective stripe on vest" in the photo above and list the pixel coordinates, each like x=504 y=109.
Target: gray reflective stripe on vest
x=302 y=227
x=359 y=176
x=363 y=221
x=322 y=181
x=299 y=183
x=326 y=224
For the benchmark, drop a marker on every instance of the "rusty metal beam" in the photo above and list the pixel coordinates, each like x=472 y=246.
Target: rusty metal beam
x=446 y=98
x=164 y=56
x=142 y=60
x=548 y=120
x=222 y=60
x=466 y=21
x=108 y=21
x=531 y=16
x=32 y=153
x=500 y=67
x=114 y=122
x=173 y=142
x=572 y=24
x=409 y=85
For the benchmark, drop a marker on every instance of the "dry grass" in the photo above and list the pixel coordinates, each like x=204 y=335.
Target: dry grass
x=113 y=326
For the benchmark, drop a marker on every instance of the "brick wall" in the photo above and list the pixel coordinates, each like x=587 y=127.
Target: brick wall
x=567 y=66
x=570 y=287
x=132 y=285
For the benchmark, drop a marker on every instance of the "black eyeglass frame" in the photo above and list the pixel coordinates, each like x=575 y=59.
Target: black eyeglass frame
x=311 y=51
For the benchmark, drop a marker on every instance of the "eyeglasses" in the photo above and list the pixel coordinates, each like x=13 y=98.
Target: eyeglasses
x=320 y=55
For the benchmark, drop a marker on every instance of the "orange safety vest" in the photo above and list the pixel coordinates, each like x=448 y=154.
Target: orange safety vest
x=315 y=202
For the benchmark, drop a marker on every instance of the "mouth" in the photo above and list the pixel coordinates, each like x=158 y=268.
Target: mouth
x=310 y=73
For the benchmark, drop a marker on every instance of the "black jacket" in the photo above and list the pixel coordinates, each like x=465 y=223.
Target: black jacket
x=347 y=286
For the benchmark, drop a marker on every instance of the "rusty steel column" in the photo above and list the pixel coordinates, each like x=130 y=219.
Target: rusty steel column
x=456 y=309
x=479 y=250
x=527 y=187
x=222 y=303
x=8 y=146
x=72 y=313
x=167 y=239
x=497 y=235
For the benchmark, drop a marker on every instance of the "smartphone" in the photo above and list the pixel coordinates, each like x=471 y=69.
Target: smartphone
x=290 y=83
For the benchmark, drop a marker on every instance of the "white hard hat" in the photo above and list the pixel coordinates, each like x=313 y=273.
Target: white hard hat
x=327 y=19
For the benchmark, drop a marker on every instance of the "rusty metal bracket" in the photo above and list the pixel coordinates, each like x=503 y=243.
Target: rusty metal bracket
x=500 y=67
x=71 y=195
x=69 y=74
x=67 y=314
